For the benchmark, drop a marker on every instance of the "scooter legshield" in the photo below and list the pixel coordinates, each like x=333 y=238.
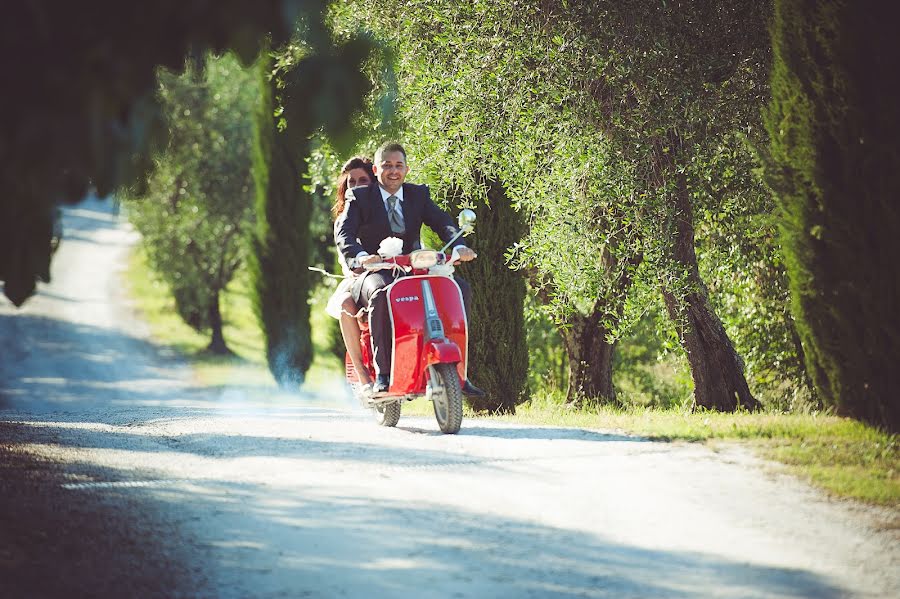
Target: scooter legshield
x=406 y=298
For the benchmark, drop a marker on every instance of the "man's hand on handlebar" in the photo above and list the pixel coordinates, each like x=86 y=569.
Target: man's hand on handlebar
x=357 y=265
x=369 y=259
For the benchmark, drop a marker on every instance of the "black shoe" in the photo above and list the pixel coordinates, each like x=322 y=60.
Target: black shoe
x=471 y=390
x=382 y=384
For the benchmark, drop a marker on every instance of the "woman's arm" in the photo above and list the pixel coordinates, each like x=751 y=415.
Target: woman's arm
x=346 y=227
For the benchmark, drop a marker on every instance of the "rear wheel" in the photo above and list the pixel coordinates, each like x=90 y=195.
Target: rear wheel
x=387 y=414
x=448 y=401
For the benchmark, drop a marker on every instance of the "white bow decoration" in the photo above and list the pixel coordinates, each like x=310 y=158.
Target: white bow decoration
x=390 y=247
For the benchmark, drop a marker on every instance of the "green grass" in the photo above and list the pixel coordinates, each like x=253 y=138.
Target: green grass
x=247 y=368
x=840 y=455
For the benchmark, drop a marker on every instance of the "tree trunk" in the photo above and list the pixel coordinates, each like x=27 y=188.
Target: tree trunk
x=588 y=353
x=217 y=343
x=590 y=359
x=717 y=370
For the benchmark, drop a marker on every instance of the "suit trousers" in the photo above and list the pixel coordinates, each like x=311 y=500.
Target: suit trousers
x=380 y=320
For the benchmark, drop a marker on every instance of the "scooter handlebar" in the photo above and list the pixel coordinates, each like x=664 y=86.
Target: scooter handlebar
x=403 y=261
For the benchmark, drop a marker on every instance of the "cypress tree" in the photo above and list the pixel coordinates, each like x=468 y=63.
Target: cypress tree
x=281 y=243
x=833 y=165
x=498 y=349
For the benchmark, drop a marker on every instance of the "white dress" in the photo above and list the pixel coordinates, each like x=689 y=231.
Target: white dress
x=334 y=306
x=389 y=247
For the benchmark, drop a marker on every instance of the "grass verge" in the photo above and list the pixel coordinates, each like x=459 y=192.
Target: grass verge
x=842 y=456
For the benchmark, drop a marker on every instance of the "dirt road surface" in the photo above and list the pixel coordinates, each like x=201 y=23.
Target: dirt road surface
x=119 y=477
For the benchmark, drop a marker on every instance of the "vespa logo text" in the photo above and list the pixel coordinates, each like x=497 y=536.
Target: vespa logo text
x=408 y=298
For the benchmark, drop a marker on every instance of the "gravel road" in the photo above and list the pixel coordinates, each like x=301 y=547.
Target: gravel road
x=119 y=477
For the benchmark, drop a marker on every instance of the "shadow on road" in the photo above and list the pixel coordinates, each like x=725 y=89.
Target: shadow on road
x=266 y=541
x=54 y=544
x=52 y=364
x=529 y=432
x=145 y=440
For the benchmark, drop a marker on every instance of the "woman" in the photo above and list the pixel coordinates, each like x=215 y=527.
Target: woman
x=356 y=172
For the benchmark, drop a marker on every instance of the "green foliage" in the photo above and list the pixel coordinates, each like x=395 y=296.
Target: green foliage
x=83 y=109
x=547 y=365
x=741 y=259
x=835 y=172
x=196 y=205
x=650 y=367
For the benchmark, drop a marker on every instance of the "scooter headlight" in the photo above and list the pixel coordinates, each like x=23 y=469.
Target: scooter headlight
x=423 y=258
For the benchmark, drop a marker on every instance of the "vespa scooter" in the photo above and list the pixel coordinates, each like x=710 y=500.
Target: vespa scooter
x=430 y=337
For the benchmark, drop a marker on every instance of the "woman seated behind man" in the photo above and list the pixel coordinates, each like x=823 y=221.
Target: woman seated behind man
x=356 y=172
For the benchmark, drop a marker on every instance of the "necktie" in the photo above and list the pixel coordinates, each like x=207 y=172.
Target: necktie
x=395 y=216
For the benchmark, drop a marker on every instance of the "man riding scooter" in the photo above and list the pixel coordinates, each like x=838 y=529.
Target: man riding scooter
x=390 y=207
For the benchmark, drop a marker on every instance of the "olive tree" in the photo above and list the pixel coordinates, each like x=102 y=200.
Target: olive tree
x=196 y=207
x=601 y=120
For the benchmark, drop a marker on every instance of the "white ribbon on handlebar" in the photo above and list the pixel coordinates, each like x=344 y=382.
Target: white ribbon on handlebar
x=326 y=273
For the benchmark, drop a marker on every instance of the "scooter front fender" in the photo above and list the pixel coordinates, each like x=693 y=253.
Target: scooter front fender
x=441 y=352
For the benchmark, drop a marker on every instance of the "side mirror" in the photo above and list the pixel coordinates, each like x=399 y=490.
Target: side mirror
x=466 y=221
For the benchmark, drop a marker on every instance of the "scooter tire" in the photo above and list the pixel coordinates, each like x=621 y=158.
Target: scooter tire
x=449 y=413
x=387 y=414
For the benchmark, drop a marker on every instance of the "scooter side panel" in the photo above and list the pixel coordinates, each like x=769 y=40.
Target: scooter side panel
x=450 y=306
x=407 y=309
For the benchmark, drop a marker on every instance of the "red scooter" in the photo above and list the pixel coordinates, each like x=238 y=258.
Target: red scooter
x=430 y=337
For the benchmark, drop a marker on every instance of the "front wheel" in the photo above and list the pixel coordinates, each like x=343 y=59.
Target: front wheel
x=448 y=400
x=387 y=414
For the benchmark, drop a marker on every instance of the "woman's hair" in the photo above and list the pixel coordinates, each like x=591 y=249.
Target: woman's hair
x=353 y=163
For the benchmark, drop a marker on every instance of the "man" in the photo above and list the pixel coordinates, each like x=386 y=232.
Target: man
x=390 y=207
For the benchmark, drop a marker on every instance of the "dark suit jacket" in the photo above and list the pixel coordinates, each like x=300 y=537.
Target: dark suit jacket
x=364 y=223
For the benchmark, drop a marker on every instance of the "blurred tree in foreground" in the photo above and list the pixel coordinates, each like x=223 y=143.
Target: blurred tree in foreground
x=833 y=164
x=281 y=244
x=196 y=207
x=79 y=106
